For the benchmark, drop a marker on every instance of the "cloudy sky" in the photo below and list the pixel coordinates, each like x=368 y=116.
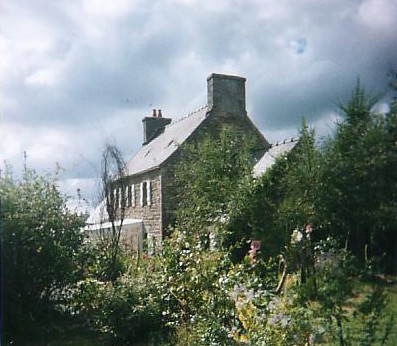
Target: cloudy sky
x=78 y=73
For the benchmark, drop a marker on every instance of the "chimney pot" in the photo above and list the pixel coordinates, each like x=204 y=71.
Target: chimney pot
x=153 y=126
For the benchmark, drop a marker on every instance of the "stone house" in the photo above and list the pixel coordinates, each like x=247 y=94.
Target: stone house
x=148 y=193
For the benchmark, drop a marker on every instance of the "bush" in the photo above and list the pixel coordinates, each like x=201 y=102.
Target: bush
x=127 y=308
x=41 y=243
x=98 y=256
x=196 y=296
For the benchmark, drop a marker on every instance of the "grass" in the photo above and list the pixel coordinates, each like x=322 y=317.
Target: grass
x=391 y=309
x=360 y=323
x=68 y=332
x=58 y=331
x=80 y=339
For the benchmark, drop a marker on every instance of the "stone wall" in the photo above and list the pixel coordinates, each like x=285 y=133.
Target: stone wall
x=226 y=102
x=150 y=212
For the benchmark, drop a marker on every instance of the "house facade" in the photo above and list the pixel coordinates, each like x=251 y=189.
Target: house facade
x=148 y=190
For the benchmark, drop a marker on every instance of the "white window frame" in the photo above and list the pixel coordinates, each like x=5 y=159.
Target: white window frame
x=120 y=197
x=148 y=193
x=133 y=201
x=141 y=194
x=115 y=201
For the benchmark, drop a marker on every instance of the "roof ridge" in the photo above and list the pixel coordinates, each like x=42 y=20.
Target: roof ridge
x=186 y=116
x=287 y=140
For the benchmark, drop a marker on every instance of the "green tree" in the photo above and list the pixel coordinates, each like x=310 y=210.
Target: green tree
x=299 y=184
x=359 y=178
x=285 y=197
x=40 y=242
x=215 y=180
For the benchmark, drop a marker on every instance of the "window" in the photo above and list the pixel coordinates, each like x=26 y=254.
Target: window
x=131 y=195
x=146 y=193
x=121 y=197
x=149 y=193
x=143 y=193
x=110 y=199
x=115 y=201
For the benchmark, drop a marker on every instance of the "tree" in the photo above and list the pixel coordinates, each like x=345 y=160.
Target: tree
x=285 y=196
x=40 y=241
x=299 y=184
x=114 y=188
x=214 y=180
x=359 y=178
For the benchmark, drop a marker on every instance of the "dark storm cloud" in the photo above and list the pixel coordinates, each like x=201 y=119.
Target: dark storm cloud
x=339 y=49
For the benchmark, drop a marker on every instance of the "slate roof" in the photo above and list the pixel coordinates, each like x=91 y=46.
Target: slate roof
x=157 y=151
x=153 y=154
x=104 y=225
x=275 y=151
x=99 y=217
x=98 y=214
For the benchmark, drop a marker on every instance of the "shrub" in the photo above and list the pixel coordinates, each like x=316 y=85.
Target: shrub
x=127 y=308
x=41 y=243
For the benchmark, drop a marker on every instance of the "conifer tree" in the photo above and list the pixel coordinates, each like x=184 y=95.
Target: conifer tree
x=359 y=178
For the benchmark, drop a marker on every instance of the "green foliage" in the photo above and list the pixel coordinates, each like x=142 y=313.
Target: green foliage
x=195 y=286
x=332 y=287
x=333 y=307
x=198 y=292
x=190 y=283
x=286 y=196
x=357 y=111
x=370 y=328
x=100 y=263
x=192 y=295
x=127 y=308
x=299 y=184
x=359 y=190
x=41 y=242
x=216 y=175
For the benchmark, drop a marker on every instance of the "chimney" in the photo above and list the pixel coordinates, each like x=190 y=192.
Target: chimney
x=226 y=94
x=154 y=126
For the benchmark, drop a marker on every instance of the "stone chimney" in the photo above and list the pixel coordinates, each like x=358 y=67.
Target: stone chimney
x=226 y=95
x=154 y=125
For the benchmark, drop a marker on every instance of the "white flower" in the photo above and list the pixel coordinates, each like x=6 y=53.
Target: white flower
x=249 y=295
x=296 y=236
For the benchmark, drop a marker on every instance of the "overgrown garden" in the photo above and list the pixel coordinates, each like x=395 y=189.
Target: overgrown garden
x=304 y=255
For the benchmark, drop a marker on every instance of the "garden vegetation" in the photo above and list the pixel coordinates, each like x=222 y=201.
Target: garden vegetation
x=304 y=255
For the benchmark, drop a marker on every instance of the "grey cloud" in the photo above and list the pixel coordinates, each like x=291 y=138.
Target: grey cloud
x=97 y=76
